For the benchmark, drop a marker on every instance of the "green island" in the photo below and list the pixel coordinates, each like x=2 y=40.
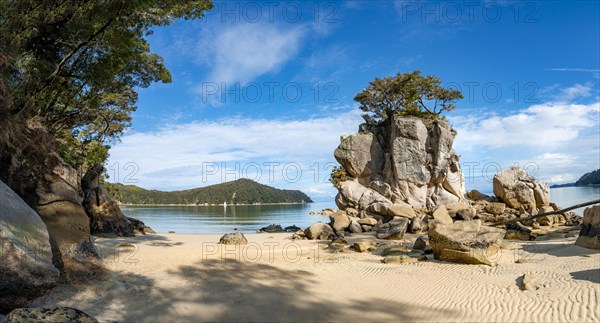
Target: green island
x=241 y=191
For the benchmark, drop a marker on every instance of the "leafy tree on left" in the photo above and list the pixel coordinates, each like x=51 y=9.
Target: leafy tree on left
x=69 y=71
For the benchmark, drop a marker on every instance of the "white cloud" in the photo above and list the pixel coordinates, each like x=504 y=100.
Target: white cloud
x=173 y=157
x=543 y=125
x=244 y=51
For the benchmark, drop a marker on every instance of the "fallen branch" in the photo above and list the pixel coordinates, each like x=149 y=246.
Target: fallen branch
x=548 y=213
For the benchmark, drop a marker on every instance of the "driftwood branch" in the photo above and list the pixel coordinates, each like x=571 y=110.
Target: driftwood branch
x=548 y=213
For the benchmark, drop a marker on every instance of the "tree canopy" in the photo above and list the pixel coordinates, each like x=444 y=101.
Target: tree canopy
x=410 y=93
x=73 y=67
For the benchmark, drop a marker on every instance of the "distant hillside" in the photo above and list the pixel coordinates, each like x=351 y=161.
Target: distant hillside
x=591 y=178
x=241 y=191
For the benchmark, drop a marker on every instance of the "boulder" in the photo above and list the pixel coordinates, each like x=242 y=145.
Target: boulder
x=56 y=199
x=355 y=227
x=319 y=231
x=273 y=228
x=25 y=254
x=393 y=230
x=56 y=314
x=292 y=228
x=517 y=231
x=106 y=218
x=475 y=195
x=454 y=208
x=363 y=246
x=401 y=209
x=466 y=214
x=140 y=228
x=467 y=242
x=417 y=225
x=339 y=221
x=529 y=281
x=367 y=221
x=518 y=189
x=441 y=216
x=422 y=243
x=495 y=208
x=589 y=236
x=233 y=238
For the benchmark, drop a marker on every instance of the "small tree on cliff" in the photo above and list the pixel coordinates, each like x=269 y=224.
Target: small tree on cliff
x=407 y=94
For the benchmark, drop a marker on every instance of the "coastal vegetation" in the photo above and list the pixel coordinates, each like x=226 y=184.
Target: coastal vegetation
x=241 y=191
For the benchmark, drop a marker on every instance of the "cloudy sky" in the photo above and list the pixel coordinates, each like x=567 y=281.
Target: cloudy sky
x=264 y=90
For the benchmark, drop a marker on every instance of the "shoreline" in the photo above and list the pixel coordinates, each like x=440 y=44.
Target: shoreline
x=228 y=205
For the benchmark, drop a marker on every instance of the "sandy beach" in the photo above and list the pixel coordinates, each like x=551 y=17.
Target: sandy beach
x=176 y=277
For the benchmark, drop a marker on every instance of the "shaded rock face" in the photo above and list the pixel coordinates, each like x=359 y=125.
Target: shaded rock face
x=57 y=200
x=402 y=159
x=519 y=190
x=26 y=268
x=57 y=314
x=589 y=236
x=106 y=218
x=467 y=242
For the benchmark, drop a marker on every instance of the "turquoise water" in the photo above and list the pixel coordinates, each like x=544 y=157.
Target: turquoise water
x=219 y=219
x=249 y=218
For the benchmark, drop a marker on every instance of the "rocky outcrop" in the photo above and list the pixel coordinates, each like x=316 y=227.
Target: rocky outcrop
x=56 y=314
x=319 y=231
x=25 y=254
x=56 y=198
x=106 y=218
x=467 y=242
x=589 y=236
x=519 y=190
x=233 y=238
x=401 y=159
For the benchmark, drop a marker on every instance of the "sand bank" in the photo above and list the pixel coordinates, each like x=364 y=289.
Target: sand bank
x=177 y=277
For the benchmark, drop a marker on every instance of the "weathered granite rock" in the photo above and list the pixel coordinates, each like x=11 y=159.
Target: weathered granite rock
x=402 y=159
x=495 y=208
x=393 y=230
x=417 y=225
x=355 y=227
x=26 y=268
x=106 y=218
x=57 y=314
x=233 y=238
x=363 y=246
x=518 y=189
x=441 y=216
x=466 y=214
x=589 y=236
x=362 y=198
x=140 y=228
x=273 y=228
x=339 y=221
x=466 y=242
x=367 y=221
x=402 y=209
x=475 y=195
x=454 y=208
x=319 y=231
x=422 y=243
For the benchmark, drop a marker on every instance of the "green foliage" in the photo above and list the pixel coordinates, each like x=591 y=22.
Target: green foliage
x=407 y=94
x=338 y=175
x=74 y=67
x=241 y=191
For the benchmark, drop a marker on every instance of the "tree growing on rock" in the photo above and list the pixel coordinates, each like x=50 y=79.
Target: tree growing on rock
x=407 y=94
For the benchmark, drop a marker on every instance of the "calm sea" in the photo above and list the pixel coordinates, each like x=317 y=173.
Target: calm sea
x=249 y=218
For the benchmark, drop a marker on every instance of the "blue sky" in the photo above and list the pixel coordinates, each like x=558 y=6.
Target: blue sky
x=265 y=89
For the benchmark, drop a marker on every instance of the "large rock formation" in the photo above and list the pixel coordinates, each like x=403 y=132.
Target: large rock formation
x=25 y=255
x=519 y=190
x=106 y=218
x=400 y=160
x=56 y=314
x=57 y=200
x=589 y=236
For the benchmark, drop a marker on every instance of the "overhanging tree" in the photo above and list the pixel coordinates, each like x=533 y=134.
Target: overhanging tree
x=71 y=68
x=410 y=93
